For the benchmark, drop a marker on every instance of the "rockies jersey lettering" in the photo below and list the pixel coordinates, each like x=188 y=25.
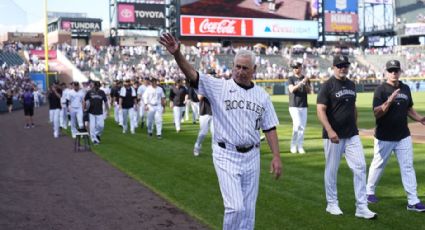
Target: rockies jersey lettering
x=248 y=105
x=238 y=113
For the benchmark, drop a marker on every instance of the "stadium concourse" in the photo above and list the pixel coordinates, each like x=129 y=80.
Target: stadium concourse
x=44 y=184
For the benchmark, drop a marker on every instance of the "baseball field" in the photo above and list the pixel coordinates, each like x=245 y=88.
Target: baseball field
x=296 y=201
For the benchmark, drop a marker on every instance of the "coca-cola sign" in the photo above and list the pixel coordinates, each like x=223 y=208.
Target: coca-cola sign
x=215 y=26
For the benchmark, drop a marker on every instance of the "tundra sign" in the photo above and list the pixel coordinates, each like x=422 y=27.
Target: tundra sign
x=138 y=14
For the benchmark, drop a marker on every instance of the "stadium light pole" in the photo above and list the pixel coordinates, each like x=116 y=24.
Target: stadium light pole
x=46 y=44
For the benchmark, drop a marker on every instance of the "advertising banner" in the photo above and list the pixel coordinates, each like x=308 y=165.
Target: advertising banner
x=81 y=26
x=149 y=15
x=215 y=26
x=41 y=56
x=341 y=22
x=275 y=28
x=415 y=29
x=387 y=2
x=341 y=5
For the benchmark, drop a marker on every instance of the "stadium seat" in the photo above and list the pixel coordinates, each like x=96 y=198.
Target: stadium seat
x=82 y=141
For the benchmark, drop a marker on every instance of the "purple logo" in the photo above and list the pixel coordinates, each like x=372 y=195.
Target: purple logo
x=126 y=13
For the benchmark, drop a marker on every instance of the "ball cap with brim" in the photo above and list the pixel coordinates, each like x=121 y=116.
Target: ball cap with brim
x=296 y=64
x=393 y=64
x=340 y=60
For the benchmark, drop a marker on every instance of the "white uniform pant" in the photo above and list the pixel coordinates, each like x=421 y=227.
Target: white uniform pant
x=299 y=121
x=177 y=113
x=128 y=115
x=238 y=175
x=154 y=113
x=353 y=149
x=141 y=112
x=76 y=117
x=51 y=116
x=195 y=110
x=64 y=117
x=118 y=113
x=205 y=123
x=403 y=151
x=186 y=110
x=55 y=116
x=97 y=123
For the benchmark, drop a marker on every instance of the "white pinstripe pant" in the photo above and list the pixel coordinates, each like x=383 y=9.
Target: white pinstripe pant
x=353 y=149
x=238 y=175
x=403 y=150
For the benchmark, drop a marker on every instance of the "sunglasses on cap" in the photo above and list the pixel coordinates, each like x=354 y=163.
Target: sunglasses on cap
x=393 y=70
x=340 y=66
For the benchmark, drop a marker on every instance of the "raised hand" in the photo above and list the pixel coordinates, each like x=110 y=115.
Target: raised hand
x=392 y=97
x=170 y=43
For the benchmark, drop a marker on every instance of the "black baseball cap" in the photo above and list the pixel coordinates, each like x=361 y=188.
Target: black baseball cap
x=393 y=64
x=296 y=64
x=340 y=60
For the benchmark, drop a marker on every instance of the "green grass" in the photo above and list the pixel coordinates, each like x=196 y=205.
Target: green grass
x=296 y=201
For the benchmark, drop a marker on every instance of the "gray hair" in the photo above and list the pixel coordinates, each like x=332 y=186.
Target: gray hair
x=246 y=53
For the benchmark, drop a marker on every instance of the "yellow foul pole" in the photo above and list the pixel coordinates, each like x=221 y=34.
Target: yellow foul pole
x=46 y=45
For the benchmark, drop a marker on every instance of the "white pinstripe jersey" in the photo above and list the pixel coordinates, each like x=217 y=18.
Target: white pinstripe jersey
x=239 y=114
x=153 y=96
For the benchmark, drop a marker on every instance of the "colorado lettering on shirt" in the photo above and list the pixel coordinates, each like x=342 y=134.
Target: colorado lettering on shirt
x=402 y=96
x=241 y=104
x=345 y=92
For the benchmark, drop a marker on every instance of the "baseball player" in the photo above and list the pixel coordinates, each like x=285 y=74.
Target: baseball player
x=154 y=100
x=178 y=100
x=205 y=123
x=115 y=96
x=64 y=102
x=54 y=98
x=128 y=106
x=75 y=102
x=105 y=88
x=336 y=110
x=392 y=104
x=240 y=110
x=299 y=87
x=140 y=91
x=97 y=99
x=193 y=100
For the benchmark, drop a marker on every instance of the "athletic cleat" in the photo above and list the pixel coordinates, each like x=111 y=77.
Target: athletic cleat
x=150 y=134
x=334 y=209
x=196 y=152
x=419 y=207
x=159 y=137
x=372 y=199
x=98 y=137
x=301 y=150
x=293 y=149
x=365 y=213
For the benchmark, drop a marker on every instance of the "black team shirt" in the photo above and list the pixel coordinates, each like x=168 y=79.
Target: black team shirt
x=177 y=95
x=299 y=97
x=128 y=99
x=54 y=101
x=340 y=98
x=393 y=125
x=96 y=99
x=205 y=107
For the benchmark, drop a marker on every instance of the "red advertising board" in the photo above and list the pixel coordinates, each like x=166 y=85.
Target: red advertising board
x=216 y=26
x=40 y=54
x=341 y=22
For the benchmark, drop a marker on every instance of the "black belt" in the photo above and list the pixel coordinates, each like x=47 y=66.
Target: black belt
x=241 y=149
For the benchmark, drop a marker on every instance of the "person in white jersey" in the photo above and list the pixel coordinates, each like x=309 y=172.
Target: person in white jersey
x=392 y=104
x=64 y=103
x=140 y=91
x=154 y=100
x=241 y=109
x=76 y=99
